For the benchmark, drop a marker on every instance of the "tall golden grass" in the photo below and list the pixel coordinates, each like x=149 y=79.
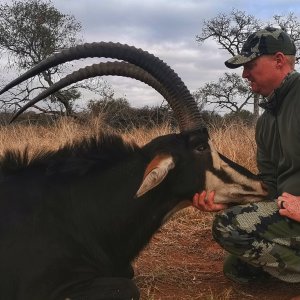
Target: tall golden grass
x=234 y=140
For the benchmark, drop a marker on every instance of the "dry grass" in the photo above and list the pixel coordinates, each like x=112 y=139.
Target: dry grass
x=185 y=238
x=235 y=141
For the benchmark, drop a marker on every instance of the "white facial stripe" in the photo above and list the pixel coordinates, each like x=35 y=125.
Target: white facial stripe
x=236 y=176
x=234 y=191
x=212 y=147
x=212 y=181
x=215 y=156
x=227 y=192
x=219 y=164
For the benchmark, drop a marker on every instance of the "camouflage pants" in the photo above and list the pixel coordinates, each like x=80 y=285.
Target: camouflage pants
x=258 y=235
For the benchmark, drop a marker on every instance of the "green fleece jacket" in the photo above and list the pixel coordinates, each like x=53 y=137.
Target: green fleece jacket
x=278 y=139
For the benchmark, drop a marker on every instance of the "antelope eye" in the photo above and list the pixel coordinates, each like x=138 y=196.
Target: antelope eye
x=201 y=148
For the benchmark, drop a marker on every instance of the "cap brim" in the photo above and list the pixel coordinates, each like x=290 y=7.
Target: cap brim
x=239 y=60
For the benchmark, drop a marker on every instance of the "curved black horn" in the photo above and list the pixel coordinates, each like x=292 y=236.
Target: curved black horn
x=182 y=102
x=108 y=68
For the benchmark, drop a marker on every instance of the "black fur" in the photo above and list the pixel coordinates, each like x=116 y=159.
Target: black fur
x=75 y=158
x=70 y=218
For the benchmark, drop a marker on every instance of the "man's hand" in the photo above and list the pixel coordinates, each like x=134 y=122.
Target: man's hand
x=289 y=206
x=204 y=203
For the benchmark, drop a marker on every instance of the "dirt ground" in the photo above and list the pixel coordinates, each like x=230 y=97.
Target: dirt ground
x=183 y=262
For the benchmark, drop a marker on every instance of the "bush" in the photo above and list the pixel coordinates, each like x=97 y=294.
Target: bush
x=120 y=115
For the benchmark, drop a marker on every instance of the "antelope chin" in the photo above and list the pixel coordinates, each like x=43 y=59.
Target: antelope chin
x=238 y=199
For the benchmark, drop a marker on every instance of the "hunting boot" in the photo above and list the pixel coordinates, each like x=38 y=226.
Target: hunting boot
x=240 y=272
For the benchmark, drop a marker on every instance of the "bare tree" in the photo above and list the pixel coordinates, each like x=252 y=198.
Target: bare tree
x=231 y=92
x=30 y=31
x=291 y=25
x=230 y=32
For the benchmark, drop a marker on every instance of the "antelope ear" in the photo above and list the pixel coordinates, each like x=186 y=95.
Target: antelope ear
x=155 y=173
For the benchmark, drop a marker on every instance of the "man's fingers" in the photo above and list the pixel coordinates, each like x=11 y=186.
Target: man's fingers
x=281 y=203
x=198 y=199
x=210 y=200
x=202 y=196
x=211 y=197
x=205 y=202
x=285 y=194
x=211 y=205
x=289 y=206
x=218 y=206
x=284 y=212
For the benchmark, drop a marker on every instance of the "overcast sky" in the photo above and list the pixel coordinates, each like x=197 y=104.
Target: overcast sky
x=168 y=29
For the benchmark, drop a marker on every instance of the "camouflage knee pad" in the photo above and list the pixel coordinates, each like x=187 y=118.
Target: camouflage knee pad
x=258 y=235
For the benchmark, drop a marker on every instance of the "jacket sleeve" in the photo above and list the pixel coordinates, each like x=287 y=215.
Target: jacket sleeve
x=267 y=169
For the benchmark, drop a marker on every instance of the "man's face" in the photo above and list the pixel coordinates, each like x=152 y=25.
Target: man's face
x=261 y=74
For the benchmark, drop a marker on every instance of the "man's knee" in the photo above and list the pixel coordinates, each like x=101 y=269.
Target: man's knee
x=241 y=228
x=228 y=233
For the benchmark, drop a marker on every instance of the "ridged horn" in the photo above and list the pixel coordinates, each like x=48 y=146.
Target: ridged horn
x=182 y=102
x=101 y=69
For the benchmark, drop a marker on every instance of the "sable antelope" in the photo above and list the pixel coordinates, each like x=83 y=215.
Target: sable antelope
x=72 y=220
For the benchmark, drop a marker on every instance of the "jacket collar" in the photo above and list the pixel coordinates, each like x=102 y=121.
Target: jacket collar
x=273 y=102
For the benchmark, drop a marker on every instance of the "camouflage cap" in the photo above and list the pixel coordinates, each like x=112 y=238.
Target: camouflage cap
x=265 y=41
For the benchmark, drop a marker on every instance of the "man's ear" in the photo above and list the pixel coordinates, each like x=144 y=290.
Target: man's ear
x=155 y=173
x=280 y=59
